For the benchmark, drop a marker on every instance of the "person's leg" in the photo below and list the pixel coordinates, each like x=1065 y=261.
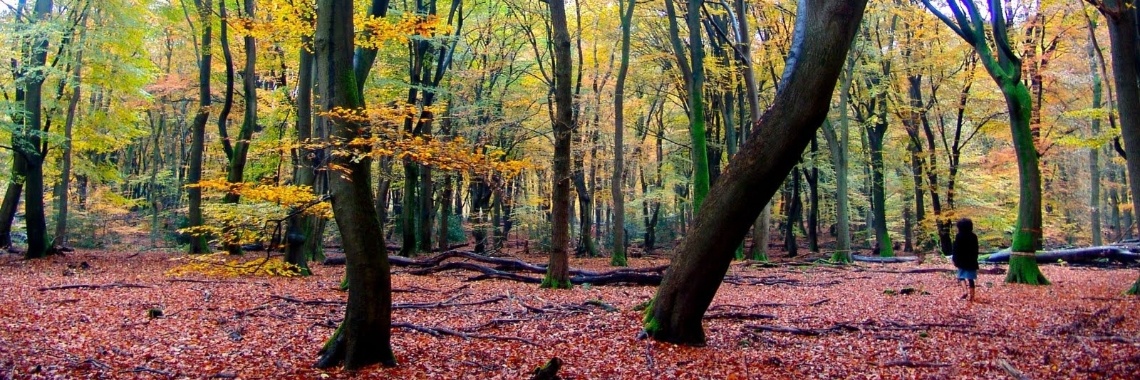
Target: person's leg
x=971 y=297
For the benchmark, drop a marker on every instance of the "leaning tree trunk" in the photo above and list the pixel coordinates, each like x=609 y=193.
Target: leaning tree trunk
x=558 y=272
x=364 y=337
x=824 y=30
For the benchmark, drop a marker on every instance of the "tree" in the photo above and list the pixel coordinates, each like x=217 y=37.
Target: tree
x=693 y=73
x=364 y=337
x=1004 y=67
x=823 y=33
x=1125 y=40
x=198 y=127
x=30 y=141
x=618 y=255
x=558 y=272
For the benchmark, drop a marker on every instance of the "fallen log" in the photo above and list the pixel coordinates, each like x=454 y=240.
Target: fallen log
x=1074 y=256
x=883 y=260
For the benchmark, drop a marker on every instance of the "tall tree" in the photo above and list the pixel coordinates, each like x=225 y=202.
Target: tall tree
x=198 y=127
x=617 y=257
x=823 y=33
x=558 y=271
x=1124 y=35
x=30 y=143
x=1004 y=67
x=364 y=337
x=692 y=71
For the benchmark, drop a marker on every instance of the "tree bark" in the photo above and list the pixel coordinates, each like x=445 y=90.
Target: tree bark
x=366 y=334
x=198 y=129
x=557 y=275
x=618 y=255
x=823 y=33
x=300 y=228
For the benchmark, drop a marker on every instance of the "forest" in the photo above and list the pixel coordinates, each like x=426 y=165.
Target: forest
x=568 y=189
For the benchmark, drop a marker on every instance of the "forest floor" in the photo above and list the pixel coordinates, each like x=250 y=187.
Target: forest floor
x=785 y=321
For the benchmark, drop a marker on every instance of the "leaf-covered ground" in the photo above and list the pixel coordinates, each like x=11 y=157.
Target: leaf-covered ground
x=780 y=322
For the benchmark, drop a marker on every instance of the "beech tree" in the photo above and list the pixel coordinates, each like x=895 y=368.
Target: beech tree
x=364 y=337
x=558 y=272
x=1004 y=67
x=823 y=33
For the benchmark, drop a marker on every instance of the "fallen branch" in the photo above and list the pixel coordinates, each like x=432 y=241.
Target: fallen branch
x=197 y=281
x=307 y=302
x=914 y=364
x=1013 y=372
x=440 y=331
x=806 y=332
x=446 y=303
x=494 y=322
x=94 y=286
x=739 y=315
x=151 y=370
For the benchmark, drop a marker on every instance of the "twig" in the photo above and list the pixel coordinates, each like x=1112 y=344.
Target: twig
x=94 y=286
x=213 y=281
x=308 y=302
x=495 y=322
x=914 y=364
x=1013 y=372
x=820 y=302
x=246 y=312
x=151 y=370
x=96 y=363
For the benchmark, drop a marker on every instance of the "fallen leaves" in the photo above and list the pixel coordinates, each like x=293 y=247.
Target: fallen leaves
x=772 y=322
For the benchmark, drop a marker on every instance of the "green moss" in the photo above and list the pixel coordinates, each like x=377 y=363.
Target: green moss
x=647 y=310
x=618 y=259
x=1135 y=290
x=344 y=282
x=739 y=252
x=840 y=257
x=332 y=339
x=549 y=282
x=887 y=248
x=1024 y=270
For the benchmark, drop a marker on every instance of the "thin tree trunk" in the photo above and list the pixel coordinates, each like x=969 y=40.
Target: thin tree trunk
x=557 y=273
x=198 y=129
x=618 y=255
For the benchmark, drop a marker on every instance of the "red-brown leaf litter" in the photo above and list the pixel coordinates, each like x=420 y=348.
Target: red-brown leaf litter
x=120 y=316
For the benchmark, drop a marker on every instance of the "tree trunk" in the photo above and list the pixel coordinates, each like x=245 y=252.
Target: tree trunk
x=65 y=166
x=824 y=30
x=557 y=274
x=366 y=333
x=1094 y=131
x=198 y=129
x=300 y=228
x=30 y=139
x=1122 y=31
x=618 y=252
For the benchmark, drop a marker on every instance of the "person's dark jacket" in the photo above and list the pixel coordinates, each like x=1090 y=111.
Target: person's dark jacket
x=966 y=251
